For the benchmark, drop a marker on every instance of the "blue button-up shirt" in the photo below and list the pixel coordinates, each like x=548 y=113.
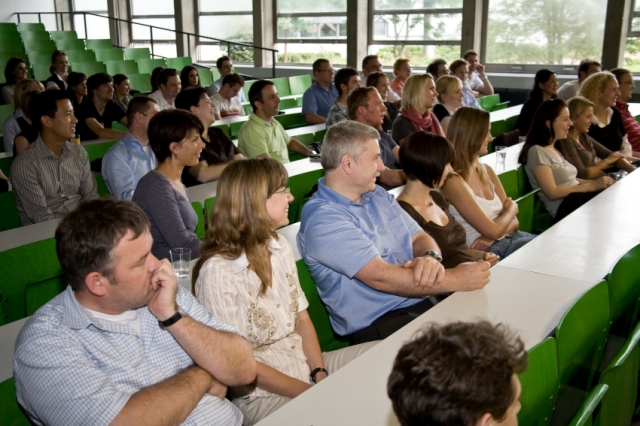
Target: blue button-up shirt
x=124 y=164
x=318 y=100
x=338 y=237
x=72 y=368
x=468 y=99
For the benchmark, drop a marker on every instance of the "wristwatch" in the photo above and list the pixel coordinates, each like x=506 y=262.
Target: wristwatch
x=172 y=319
x=435 y=255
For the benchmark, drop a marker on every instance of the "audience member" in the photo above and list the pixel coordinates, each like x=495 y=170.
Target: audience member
x=100 y=111
x=174 y=136
x=262 y=135
x=28 y=131
x=365 y=106
x=58 y=70
x=347 y=79
x=226 y=100
x=401 y=71
x=13 y=124
x=78 y=92
x=585 y=69
x=589 y=157
x=127 y=161
x=155 y=74
x=52 y=176
x=189 y=77
x=478 y=200
x=363 y=250
x=546 y=169
x=121 y=87
x=460 y=69
x=225 y=67
x=370 y=64
x=437 y=68
x=478 y=82
x=545 y=87
x=380 y=81
x=218 y=149
x=320 y=97
x=462 y=374
x=124 y=343
x=426 y=160
x=626 y=87
x=602 y=89
x=450 y=97
x=246 y=267
x=416 y=113
x=168 y=88
x=14 y=72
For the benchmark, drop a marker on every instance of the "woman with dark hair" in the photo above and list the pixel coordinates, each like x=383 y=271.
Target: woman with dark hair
x=247 y=277
x=154 y=78
x=174 y=136
x=426 y=160
x=189 y=77
x=14 y=72
x=78 y=92
x=545 y=87
x=28 y=131
x=58 y=70
x=18 y=122
x=418 y=99
x=560 y=190
x=380 y=81
x=122 y=87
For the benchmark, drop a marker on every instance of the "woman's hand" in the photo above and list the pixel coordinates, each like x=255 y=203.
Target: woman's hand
x=492 y=258
x=603 y=182
x=482 y=243
x=612 y=158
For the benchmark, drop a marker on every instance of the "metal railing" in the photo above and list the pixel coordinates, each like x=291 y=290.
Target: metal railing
x=117 y=22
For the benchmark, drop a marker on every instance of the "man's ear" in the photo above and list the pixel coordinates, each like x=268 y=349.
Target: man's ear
x=96 y=283
x=46 y=121
x=346 y=163
x=485 y=420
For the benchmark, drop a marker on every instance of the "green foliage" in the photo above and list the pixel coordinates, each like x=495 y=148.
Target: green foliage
x=241 y=53
x=420 y=56
x=310 y=57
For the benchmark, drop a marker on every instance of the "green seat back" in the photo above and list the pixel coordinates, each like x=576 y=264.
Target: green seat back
x=539 y=384
x=12 y=46
x=95 y=44
x=10 y=37
x=39 y=293
x=282 y=84
x=69 y=44
x=113 y=54
x=40 y=71
x=208 y=206
x=509 y=181
x=146 y=66
x=300 y=186
x=35 y=35
x=247 y=86
x=498 y=127
x=5 y=163
x=488 y=102
x=216 y=73
x=584 y=416
x=137 y=53
x=103 y=189
x=287 y=103
x=77 y=55
x=9 y=218
x=525 y=211
x=40 y=57
x=179 y=63
x=6 y=111
x=224 y=127
x=10 y=412
x=511 y=123
x=141 y=82
x=524 y=186
x=39 y=45
x=206 y=76
x=624 y=291
x=8 y=27
x=501 y=105
x=329 y=341
x=248 y=109
x=199 y=231
x=234 y=128
x=121 y=67
x=30 y=26
x=299 y=84
x=306 y=139
x=319 y=135
x=300 y=207
x=97 y=150
x=291 y=121
x=64 y=35
x=88 y=68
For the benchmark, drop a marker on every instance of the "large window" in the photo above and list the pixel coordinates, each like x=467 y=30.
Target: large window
x=632 y=51
x=157 y=13
x=308 y=30
x=225 y=20
x=420 y=30
x=96 y=27
x=549 y=32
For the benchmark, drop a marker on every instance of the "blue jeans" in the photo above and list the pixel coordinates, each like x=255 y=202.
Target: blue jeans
x=510 y=244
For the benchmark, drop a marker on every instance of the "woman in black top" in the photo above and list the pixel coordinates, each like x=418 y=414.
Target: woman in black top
x=58 y=70
x=380 y=81
x=450 y=95
x=77 y=82
x=545 y=87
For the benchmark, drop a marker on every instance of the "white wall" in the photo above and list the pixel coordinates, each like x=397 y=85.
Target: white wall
x=9 y=7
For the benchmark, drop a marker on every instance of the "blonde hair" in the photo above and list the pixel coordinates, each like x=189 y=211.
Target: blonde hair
x=595 y=84
x=21 y=88
x=447 y=85
x=467 y=131
x=413 y=93
x=578 y=105
x=239 y=222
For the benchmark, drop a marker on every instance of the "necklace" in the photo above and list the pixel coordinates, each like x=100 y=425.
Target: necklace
x=429 y=204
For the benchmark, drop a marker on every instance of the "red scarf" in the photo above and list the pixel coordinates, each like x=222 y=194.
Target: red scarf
x=427 y=122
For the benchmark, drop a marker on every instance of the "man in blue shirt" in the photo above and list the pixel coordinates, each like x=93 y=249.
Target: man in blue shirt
x=321 y=96
x=372 y=263
x=131 y=158
x=124 y=343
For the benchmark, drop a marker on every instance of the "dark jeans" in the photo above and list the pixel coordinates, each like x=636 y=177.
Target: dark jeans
x=510 y=243
x=572 y=201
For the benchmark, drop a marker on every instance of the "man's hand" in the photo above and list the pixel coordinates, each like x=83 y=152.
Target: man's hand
x=492 y=258
x=165 y=285
x=427 y=271
x=217 y=389
x=480 y=69
x=469 y=276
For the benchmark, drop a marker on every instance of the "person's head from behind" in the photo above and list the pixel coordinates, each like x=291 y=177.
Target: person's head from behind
x=366 y=106
x=581 y=113
x=196 y=101
x=460 y=69
x=470 y=133
x=100 y=87
x=625 y=82
x=169 y=83
x=189 y=77
x=52 y=114
x=437 y=68
x=77 y=82
x=23 y=86
x=263 y=96
x=419 y=93
x=380 y=81
x=402 y=68
x=449 y=90
x=588 y=67
x=458 y=374
x=224 y=65
x=154 y=78
x=140 y=111
x=104 y=248
x=550 y=123
x=59 y=63
x=15 y=71
x=545 y=84
x=601 y=88
x=26 y=99
x=371 y=63
x=427 y=157
x=121 y=85
x=347 y=79
x=174 y=135
x=231 y=85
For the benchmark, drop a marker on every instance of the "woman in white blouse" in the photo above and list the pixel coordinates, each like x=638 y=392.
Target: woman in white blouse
x=247 y=277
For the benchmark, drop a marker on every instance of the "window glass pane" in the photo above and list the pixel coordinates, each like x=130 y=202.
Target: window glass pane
x=417 y=27
x=307 y=53
x=89 y=5
x=420 y=56
x=305 y=6
x=313 y=27
x=636 y=6
x=168 y=50
x=97 y=27
x=152 y=7
x=561 y=32
x=635 y=24
x=416 y=4
x=226 y=6
x=141 y=32
x=236 y=28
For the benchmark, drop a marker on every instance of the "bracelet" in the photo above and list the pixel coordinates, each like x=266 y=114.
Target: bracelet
x=434 y=254
x=316 y=371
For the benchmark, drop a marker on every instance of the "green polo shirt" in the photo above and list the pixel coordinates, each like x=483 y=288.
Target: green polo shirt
x=257 y=137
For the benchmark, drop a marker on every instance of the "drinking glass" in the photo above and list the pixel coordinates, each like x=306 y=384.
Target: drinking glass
x=501 y=154
x=180 y=260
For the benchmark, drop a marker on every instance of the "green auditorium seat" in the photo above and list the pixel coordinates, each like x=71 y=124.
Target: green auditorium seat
x=299 y=84
x=146 y=66
x=35 y=35
x=121 y=67
x=300 y=186
x=489 y=102
x=69 y=44
x=624 y=292
x=141 y=82
x=208 y=206
x=81 y=56
x=5 y=163
x=6 y=111
x=206 y=76
x=282 y=84
x=179 y=63
x=95 y=44
x=10 y=37
x=97 y=150
x=234 y=128
x=9 y=218
x=137 y=53
x=40 y=57
x=88 y=68
x=64 y=35
x=8 y=27
x=287 y=103
x=113 y=54
x=102 y=188
x=291 y=121
x=11 y=46
x=199 y=231
x=10 y=412
x=41 y=71
x=39 y=45
x=30 y=26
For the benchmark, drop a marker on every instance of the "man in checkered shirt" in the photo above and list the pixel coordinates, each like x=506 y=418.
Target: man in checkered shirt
x=124 y=343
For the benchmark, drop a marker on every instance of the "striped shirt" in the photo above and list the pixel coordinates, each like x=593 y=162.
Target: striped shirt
x=630 y=125
x=46 y=187
x=337 y=113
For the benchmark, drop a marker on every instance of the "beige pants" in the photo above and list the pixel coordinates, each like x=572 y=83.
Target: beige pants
x=256 y=408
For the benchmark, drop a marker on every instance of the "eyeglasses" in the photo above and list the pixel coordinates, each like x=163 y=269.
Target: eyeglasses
x=285 y=191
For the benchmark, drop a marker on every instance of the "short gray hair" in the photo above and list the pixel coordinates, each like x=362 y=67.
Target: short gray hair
x=347 y=137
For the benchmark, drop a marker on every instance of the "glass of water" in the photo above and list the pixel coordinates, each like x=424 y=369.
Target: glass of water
x=522 y=139
x=181 y=261
x=501 y=154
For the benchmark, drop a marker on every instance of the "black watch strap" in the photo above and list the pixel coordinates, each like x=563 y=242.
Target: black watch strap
x=172 y=319
x=316 y=371
x=435 y=255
